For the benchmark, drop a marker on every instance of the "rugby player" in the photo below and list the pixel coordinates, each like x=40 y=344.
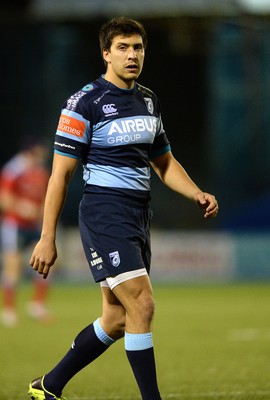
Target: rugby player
x=113 y=126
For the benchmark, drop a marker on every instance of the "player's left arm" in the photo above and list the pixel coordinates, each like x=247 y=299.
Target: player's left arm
x=173 y=175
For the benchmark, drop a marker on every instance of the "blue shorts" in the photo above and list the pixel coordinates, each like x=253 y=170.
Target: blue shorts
x=115 y=235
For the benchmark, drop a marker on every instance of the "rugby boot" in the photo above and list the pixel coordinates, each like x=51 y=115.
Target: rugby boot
x=37 y=391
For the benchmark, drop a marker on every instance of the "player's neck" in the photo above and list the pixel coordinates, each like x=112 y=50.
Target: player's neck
x=118 y=81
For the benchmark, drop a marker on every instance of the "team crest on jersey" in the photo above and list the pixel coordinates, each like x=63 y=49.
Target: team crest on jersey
x=115 y=259
x=149 y=104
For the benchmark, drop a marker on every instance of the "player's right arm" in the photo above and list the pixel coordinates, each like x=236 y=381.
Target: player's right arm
x=45 y=252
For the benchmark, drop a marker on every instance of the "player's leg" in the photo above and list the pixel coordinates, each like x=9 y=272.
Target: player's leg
x=89 y=344
x=37 y=307
x=113 y=316
x=11 y=262
x=11 y=271
x=136 y=295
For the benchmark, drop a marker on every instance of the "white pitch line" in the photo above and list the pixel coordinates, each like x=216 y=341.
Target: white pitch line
x=249 y=334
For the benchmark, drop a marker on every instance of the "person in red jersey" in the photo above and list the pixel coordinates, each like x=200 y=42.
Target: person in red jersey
x=23 y=184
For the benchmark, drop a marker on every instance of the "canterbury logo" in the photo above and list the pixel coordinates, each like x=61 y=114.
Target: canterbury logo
x=109 y=108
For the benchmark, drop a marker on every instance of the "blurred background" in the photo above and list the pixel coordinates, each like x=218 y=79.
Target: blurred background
x=209 y=63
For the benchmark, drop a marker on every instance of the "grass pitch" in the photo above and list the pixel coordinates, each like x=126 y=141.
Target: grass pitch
x=211 y=343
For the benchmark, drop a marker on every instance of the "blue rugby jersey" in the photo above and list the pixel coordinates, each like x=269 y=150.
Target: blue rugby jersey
x=115 y=132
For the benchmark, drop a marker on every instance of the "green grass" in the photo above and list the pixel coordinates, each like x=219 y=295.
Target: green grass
x=211 y=343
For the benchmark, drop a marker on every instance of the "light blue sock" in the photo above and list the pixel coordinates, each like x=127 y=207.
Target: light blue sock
x=138 y=341
x=101 y=334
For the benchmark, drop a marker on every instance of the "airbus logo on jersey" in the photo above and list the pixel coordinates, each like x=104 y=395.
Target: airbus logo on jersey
x=109 y=110
x=133 y=125
x=131 y=130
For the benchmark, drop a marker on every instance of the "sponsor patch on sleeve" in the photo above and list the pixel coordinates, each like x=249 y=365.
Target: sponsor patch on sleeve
x=71 y=125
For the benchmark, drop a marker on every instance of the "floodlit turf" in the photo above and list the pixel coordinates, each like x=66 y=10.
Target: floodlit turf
x=211 y=343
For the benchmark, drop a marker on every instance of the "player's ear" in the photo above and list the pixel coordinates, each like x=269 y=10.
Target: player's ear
x=106 y=56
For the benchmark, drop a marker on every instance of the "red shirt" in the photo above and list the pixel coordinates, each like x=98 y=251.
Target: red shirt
x=26 y=186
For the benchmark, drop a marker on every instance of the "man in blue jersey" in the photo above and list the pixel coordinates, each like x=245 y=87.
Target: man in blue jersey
x=113 y=125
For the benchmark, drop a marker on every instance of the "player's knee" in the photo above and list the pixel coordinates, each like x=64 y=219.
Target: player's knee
x=118 y=332
x=114 y=325
x=118 y=328
x=145 y=307
x=150 y=308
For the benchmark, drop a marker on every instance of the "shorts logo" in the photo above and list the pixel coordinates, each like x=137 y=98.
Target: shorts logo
x=115 y=259
x=96 y=260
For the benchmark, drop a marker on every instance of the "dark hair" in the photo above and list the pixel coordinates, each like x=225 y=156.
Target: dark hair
x=120 y=26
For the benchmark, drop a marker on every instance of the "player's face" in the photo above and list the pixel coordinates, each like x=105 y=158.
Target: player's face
x=124 y=60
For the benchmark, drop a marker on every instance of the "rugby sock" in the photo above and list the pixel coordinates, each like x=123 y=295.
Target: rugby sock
x=90 y=343
x=41 y=288
x=140 y=353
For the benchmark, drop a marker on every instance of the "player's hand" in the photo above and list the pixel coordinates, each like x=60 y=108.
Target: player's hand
x=208 y=203
x=43 y=257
